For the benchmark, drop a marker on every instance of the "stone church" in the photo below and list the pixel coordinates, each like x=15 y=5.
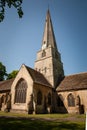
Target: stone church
x=45 y=89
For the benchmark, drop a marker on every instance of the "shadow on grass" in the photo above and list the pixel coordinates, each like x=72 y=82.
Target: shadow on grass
x=9 y=123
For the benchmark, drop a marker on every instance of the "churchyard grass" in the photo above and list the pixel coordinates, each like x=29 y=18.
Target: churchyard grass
x=14 y=121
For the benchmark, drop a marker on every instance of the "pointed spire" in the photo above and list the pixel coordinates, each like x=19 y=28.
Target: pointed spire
x=48 y=36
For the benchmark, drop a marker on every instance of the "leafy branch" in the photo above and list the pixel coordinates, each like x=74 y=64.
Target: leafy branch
x=15 y=3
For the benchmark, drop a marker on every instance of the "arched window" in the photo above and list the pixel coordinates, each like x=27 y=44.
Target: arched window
x=20 y=91
x=78 y=102
x=43 y=53
x=60 y=101
x=71 y=100
x=49 y=99
x=39 y=98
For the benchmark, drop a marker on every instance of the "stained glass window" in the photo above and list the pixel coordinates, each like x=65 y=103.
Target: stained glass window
x=20 y=91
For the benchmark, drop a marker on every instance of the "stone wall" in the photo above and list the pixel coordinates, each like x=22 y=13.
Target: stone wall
x=44 y=107
x=80 y=107
x=23 y=74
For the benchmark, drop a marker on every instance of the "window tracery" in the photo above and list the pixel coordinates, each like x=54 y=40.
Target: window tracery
x=20 y=91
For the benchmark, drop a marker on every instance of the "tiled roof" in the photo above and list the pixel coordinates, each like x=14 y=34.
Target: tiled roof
x=6 y=85
x=38 y=77
x=73 y=82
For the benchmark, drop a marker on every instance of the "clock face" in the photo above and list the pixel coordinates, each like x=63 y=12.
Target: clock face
x=43 y=46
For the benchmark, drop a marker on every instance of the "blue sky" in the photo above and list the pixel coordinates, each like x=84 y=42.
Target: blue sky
x=20 y=39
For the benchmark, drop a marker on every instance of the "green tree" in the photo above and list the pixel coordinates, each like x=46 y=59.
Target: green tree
x=12 y=74
x=2 y=72
x=9 y=3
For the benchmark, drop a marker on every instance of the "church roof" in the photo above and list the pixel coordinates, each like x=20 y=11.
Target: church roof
x=38 y=77
x=6 y=85
x=73 y=82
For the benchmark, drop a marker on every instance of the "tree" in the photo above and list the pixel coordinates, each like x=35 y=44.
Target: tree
x=2 y=72
x=12 y=74
x=9 y=3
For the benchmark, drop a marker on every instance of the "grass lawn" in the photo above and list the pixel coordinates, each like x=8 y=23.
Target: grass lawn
x=12 y=121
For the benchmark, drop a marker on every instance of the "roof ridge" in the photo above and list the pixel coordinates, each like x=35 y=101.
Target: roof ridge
x=1 y=82
x=36 y=75
x=80 y=73
x=73 y=82
x=33 y=69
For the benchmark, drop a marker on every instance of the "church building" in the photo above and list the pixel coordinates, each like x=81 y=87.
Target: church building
x=45 y=89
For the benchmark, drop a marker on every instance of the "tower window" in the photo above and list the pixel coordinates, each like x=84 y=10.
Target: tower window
x=43 y=53
x=71 y=100
x=20 y=91
x=45 y=69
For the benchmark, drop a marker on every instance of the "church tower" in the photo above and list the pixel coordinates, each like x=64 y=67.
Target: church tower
x=48 y=60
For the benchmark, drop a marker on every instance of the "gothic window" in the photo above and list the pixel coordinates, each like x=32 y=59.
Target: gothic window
x=60 y=101
x=20 y=91
x=78 y=102
x=71 y=100
x=43 y=53
x=49 y=99
x=39 y=98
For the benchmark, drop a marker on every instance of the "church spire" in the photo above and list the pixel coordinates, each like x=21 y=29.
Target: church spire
x=48 y=60
x=48 y=36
